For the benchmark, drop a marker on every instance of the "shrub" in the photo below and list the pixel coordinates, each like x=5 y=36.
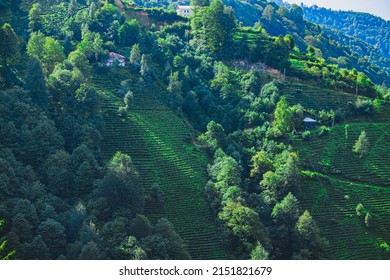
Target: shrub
x=324 y=131
x=368 y=220
x=364 y=106
x=360 y=210
x=122 y=111
x=306 y=135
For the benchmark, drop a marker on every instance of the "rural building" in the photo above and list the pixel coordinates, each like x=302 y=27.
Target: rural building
x=309 y=123
x=115 y=58
x=185 y=11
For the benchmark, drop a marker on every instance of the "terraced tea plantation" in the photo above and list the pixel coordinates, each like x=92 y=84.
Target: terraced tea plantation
x=349 y=180
x=315 y=97
x=335 y=152
x=155 y=137
x=333 y=205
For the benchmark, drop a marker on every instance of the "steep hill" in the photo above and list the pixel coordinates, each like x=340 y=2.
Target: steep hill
x=279 y=20
x=335 y=180
x=155 y=138
x=371 y=29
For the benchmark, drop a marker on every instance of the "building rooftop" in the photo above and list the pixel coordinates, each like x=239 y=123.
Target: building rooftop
x=116 y=55
x=183 y=7
x=309 y=120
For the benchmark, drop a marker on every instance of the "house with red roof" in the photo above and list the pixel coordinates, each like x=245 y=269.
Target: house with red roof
x=115 y=58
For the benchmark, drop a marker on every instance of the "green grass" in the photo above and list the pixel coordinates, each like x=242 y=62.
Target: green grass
x=155 y=137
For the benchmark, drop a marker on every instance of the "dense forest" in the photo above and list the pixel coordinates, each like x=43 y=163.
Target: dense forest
x=365 y=34
x=371 y=29
x=192 y=144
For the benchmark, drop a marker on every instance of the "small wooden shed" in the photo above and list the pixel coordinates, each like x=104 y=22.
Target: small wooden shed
x=309 y=123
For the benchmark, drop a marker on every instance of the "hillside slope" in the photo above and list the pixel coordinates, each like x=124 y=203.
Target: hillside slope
x=278 y=20
x=154 y=138
x=369 y=28
x=335 y=180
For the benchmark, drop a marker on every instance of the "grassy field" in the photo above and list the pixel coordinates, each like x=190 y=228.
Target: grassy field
x=155 y=137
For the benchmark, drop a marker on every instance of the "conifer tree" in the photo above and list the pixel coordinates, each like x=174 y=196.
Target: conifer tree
x=35 y=83
x=9 y=45
x=34 y=18
x=259 y=253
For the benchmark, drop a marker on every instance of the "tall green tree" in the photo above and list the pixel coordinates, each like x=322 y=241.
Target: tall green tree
x=36 y=84
x=308 y=242
x=362 y=145
x=135 y=55
x=72 y=8
x=35 y=18
x=128 y=33
x=259 y=253
x=175 y=91
x=35 y=46
x=261 y=163
x=9 y=46
x=215 y=135
x=47 y=49
x=287 y=211
x=243 y=221
x=53 y=235
x=145 y=70
x=283 y=116
x=53 y=54
x=176 y=246
x=219 y=24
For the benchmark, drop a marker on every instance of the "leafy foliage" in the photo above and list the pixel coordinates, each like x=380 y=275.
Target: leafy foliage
x=3 y=254
x=362 y=145
x=227 y=83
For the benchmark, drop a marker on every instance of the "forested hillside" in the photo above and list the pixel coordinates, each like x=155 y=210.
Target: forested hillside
x=369 y=28
x=134 y=133
x=279 y=20
x=366 y=35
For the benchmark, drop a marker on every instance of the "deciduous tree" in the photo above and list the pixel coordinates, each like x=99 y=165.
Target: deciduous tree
x=135 y=55
x=362 y=145
x=283 y=116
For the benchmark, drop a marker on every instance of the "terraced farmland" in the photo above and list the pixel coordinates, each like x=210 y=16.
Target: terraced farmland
x=333 y=205
x=155 y=137
x=335 y=152
x=314 y=97
x=350 y=180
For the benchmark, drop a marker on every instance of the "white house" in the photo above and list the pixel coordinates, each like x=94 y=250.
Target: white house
x=115 y=58
x=185 y=11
